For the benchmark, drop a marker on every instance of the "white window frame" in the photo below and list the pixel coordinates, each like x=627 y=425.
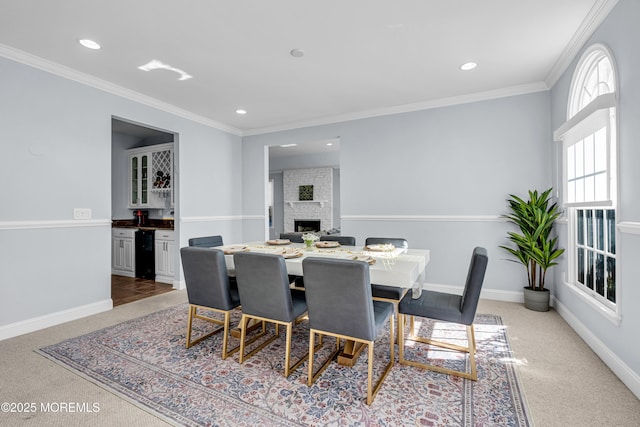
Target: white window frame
x=597 y=114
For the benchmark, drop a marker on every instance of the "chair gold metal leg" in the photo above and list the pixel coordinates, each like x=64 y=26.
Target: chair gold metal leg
x=243 y=334
x=371 y=389
x=402 y=321
x=287 y=353
x=471 y=349
x=193 y=314
x=371 y=394
x=189 y=323
x=370 y=374
x=311 y=376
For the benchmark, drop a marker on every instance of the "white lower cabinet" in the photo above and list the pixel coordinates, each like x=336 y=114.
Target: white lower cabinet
x=123 y=254
x=165 y=256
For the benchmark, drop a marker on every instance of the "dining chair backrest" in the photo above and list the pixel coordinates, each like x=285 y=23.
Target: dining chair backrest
x=206 y=242
x=398 y=242
x=263 y=285
x=293 y=237
x=343 y=240
x=339 y=297
x=473 y=285
x=206 y=278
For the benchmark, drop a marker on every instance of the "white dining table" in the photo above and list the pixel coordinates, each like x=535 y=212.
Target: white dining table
x=403 y=268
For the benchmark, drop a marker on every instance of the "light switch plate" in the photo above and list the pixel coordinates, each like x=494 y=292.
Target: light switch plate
x=81 y=213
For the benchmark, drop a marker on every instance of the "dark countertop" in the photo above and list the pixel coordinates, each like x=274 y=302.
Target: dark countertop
x=161 y=224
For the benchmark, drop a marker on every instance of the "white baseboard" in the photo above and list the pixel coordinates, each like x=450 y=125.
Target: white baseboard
x=30 y=325
x=498 y=295
x=179 y=284
x=622 y=371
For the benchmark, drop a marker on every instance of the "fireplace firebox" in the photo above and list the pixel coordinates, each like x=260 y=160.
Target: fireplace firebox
x=303 y=225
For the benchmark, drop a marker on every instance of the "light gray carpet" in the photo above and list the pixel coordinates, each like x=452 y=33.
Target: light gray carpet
x=560 y=374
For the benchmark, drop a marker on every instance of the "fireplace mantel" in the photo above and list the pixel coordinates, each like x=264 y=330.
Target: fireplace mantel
x=297 y=202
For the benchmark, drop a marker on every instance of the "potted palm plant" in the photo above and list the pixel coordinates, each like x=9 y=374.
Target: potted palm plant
x=533 y=245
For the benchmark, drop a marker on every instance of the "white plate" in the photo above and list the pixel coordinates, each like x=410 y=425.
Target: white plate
x=230 y=250
x=279 y=242
x=327 y=244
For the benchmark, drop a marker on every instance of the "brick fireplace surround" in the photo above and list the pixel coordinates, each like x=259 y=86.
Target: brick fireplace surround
x=320 y=208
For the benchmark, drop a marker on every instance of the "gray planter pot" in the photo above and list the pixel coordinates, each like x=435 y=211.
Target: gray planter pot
x=536 y=300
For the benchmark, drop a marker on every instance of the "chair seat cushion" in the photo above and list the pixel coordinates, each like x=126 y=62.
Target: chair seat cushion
x=434 y=305
x=383 y=291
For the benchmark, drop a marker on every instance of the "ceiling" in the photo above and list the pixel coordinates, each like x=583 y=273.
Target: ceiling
x=362 y=58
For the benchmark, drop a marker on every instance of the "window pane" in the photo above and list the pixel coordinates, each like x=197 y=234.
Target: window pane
x=579 y=190
x=589 y=189
x=600 y=229
x=611 y=227
x=581 y=278
x=571 y=162
x=579 y=147
x=589 y=282
x=588 y=155
x=611 y=279
x=600 y=274
x=589 y=227
x=591 y=84
x=600 y=150
x=600 y=187
x=605 y=72
x=580 y=230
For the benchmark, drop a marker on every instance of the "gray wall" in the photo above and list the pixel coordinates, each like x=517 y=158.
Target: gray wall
x=56 y=156
x=616 y=344
x=437 y=177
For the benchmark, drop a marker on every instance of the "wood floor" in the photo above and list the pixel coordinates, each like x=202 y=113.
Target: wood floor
x=129 y=289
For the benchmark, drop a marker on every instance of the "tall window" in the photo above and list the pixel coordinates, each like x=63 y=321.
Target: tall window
x=589 y=176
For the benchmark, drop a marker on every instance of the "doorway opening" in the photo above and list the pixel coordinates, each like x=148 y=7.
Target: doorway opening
x=143 y=194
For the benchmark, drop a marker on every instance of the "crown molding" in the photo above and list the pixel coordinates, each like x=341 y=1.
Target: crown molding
x=105 y=86
x=406 y=108
x=591 y=22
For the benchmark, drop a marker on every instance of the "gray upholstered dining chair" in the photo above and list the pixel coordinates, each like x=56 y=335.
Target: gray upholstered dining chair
x=340 y=305
x=398 y=242
x=265 y=294
x=343 y=240
x=391 y=294
x=208 y=288
x=206 y=241
x=447 y=307
x=293 y=237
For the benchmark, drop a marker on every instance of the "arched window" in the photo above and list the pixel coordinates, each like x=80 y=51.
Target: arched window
x=594 y=77
x=589 y=175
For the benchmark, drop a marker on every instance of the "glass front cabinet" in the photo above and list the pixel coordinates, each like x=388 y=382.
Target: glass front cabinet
x=151 y=176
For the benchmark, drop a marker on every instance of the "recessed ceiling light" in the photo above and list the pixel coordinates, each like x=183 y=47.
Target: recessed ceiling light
x=297 y=53
x=468 y=66
x=241 y=111
x=288 y=145
x=329 y=144
x=89 y=44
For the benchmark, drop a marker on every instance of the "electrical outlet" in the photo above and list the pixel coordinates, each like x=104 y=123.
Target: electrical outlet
x=82 y=213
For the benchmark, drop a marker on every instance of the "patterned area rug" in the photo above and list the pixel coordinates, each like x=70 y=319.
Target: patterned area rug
x=145 y=361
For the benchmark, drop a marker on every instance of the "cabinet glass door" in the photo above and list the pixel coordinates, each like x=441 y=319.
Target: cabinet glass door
x=134 y=180
x=144 y=169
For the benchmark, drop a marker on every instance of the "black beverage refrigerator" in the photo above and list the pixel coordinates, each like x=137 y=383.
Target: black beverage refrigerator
x=145 y=259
